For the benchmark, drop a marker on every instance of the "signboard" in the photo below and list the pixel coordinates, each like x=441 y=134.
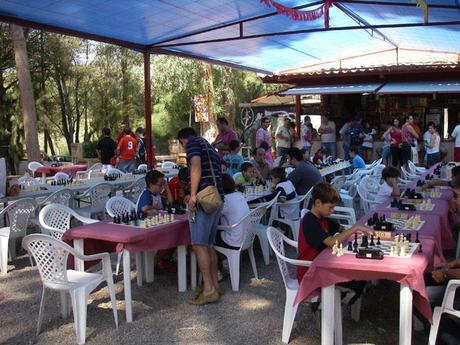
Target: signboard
x=201 y=109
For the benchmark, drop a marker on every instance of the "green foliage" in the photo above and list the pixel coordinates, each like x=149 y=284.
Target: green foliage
x=89 y=149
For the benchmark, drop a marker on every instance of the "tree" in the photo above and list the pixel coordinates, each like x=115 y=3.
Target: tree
x=26 y=92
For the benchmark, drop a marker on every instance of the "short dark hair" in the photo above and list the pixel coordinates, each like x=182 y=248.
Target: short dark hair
x=456 y=171
x=228 y=184
x=279 y=173
x=390 y=172
x=140 y=130
x=183 y=173
x=106 y=131
x=325 y=193
x=292 y=124
x=186 y=133
x=232 y=145
x=354 y=149
x=152 y=177
x=222 y=121
x=127 y=131
x=295 y=153
x=265 y=119
x=264 y=145
x=456 y=182
x=246 y=165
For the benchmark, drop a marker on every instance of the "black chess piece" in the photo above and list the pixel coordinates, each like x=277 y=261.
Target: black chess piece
x=372 y=241
x=378 y=241
x=350 y=247
x=356 y=240
x=420 y=250
x=355 y=247
x=409 y=237
x=416 y=238
x=364 y=241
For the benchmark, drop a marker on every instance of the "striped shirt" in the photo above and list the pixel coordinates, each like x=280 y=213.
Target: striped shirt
x=197 y=146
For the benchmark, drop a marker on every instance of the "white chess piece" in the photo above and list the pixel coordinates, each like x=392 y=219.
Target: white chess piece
x=340 y=252
x=335 y=248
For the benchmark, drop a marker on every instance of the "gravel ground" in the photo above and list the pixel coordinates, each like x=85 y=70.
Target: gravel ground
x=161 y=315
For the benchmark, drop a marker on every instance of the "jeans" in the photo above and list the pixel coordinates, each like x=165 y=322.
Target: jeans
x=308 y=151
x=331 y=149
x=346 y=151
x=126 y=166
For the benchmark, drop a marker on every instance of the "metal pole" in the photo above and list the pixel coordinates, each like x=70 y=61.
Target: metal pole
x=148 y=108
x=298 y=110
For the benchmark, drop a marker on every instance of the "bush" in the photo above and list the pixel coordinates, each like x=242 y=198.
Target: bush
x=89 y=149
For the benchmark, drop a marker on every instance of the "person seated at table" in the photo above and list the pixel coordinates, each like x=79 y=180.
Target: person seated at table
x=390 y=187
x=248 y=175
x=180 y=186
x=233 y=159
x=318 y=157
x=261 y=164
x=306 y=155
x=287 y=192
x=357 y=161
x=150 y=201
x=439 y=182
x=268 y=151
x=305 y=175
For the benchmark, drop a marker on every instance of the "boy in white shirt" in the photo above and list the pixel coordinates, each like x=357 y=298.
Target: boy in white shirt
x=390 y=187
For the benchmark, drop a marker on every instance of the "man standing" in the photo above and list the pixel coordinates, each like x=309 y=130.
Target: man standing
x=305 y=175
x=456 y=135
x=283 y=138
x=203 y=162
x=306 y=135
x=263 y=134
x=262 y=166
x=127 y=150
x=123 y=126
x=226 y=134
x=345 y=136
x=141 y=150
x=328 y=136
x=106 y=149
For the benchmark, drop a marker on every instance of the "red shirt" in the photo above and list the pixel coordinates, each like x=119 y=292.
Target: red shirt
x=174 y=187
x=128 y=148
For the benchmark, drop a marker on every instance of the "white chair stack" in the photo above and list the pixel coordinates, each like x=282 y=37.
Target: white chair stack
x=51 y=256
x=96 y=197
x=18 y=214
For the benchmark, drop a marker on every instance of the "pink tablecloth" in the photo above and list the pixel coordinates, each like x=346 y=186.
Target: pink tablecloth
x=441 y=210
x=70 y=170
x=328 y=270
x=104 y=236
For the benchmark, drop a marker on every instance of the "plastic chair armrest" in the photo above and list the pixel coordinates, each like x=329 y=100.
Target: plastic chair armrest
x=227 y=227
x=292 y=243
x=99 y=256
x=295 y=262
x=85 y=220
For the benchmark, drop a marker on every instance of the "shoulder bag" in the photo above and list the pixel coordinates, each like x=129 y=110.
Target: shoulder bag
x=209 y=198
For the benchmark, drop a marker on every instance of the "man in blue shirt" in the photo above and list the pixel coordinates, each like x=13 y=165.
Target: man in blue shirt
x=150 y=200
x=357 y=161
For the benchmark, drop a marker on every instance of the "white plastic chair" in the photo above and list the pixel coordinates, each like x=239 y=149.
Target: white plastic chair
x=371 y=184
x=413 y=169
x=62 y=196
x=345 y=215
x=55 y=219
x=61 y=176
x=142 y=167
x=408 y=176
x=114 y=172
x=446 y=307
x=51 y=257
x=292 y=223
x=33 y=166
x=119 y=206
x=97 y=197
x=367 y=200
x=291 y=285
x=27 y=180
x=133 y=191
x=250 y=223
x=18 y=217
x=168 y=165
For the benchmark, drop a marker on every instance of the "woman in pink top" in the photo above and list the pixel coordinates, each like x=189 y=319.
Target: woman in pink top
x=409 y=136
x=264 y=139
x=396 y=140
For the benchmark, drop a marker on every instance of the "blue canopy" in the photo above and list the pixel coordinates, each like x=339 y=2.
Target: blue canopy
x=247 y=33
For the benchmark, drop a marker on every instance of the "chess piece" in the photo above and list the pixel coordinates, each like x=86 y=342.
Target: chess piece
x=364 y=242
x=356 y=240
x=340 y=251
x=420 y=250
x=372 y=241
x=355 y=247
x=416 y=238
x=335 y=248
x=350 y=246
x=378 y=241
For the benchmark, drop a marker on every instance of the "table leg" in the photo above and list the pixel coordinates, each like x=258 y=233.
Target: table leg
x=327 y=314
x=78 y=245
x=338 y=318
x=139 y=269
x=127 y=285
x=149 y=267
x=405 y=315
x=192 y=270
x=182 y=268
x=43 y=177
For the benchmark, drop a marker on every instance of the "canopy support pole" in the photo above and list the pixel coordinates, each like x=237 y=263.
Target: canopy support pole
x=298 y=110
x=148 y=109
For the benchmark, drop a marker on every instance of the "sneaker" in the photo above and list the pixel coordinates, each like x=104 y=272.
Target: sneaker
x=203 y=299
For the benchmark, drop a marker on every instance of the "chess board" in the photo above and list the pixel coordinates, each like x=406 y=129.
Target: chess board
x=417 y=207
x=143 y=225
x=401 y=224
x=385 y=247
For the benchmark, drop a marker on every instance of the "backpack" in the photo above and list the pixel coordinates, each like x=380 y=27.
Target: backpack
x=355 y=130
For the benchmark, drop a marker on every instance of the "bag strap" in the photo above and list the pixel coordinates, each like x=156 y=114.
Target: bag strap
x=210 y=164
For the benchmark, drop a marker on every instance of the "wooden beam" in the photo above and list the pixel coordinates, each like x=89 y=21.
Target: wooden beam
x=148 y=109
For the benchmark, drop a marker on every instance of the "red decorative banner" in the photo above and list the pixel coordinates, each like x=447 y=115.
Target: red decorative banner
x=294 y=14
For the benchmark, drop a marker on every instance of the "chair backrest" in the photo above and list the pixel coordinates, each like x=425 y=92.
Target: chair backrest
x=338 y=182
x=303 y=212
x=32 y=166
x=250 y=223
x=27 y=180
x=62 y=196
x=99 y=194
x=133 y=191
x=118 y=206
x=370 y=184
x=19 y=214
x=55 y=218
x=95 y=167
x=236 y=175
x=168 y=165
x=344 y=215
x=142 y=167
x=61 y=176
x=307 y=199
x=114 y=172
x=51 y=256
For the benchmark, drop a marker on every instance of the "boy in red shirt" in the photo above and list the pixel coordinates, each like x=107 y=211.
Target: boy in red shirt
x=127 y=150
x=318 y=231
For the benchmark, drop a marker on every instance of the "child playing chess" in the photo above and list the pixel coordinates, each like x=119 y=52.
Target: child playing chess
x=286 y=191
x=233 y=160
x=317 y=231
x=150 y=201
x=390 y=187
x=248 y=175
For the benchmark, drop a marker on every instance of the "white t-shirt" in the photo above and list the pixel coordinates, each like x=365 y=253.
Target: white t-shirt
x=290 y=211
x=368 y=140
x=285 y=132
x=456 y=134
x=304 y=129
x=384 y=192
x=328 y=137
x=234 y=209
x=435 y=148
x=426 y=138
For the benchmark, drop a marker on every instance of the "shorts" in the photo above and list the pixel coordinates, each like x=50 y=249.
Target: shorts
x=203 y=231
x=221 y=243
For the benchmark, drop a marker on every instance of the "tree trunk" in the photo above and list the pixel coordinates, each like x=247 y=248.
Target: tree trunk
x=63 y=105
x=209 y=129
x=26 y=93
x=49 y=141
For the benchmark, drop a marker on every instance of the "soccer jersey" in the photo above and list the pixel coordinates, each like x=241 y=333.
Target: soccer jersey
x=128 y=148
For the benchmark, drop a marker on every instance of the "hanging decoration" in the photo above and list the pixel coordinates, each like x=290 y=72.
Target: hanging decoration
x=298 y=15
x=424 y=6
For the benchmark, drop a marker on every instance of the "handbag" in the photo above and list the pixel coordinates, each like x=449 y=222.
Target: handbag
x=209 y=198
